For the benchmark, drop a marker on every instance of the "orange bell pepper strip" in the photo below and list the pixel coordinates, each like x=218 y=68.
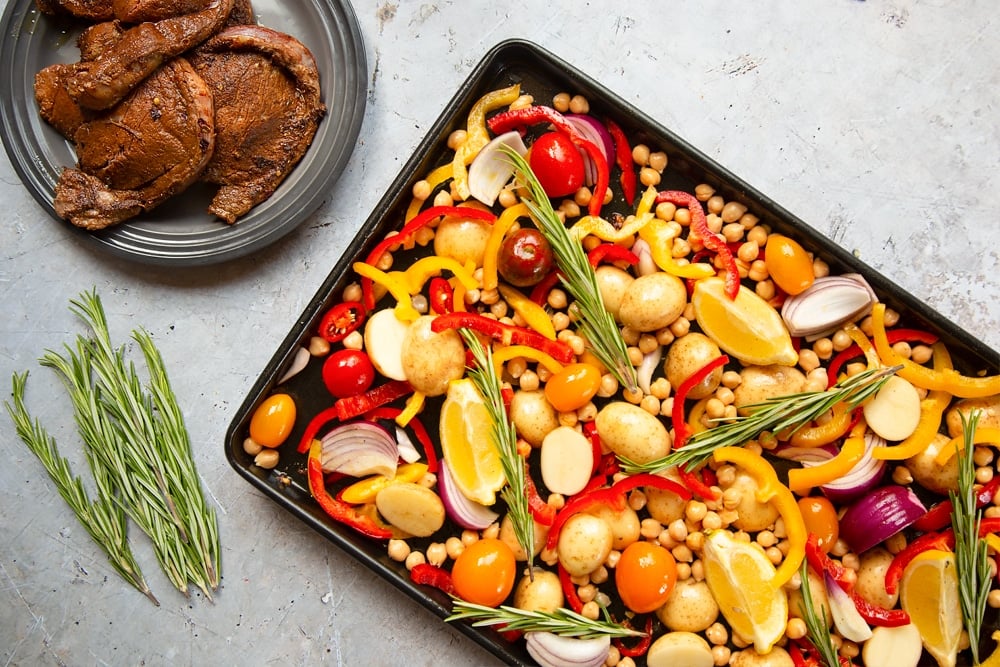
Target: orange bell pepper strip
x=477 y=136
x=534 y=316
x=984 y=435
x=660 y=238
x=801 y=480
x=825 y=433
x=770 y=489
x=699 y=227
x=871 y=355
x=491 y=252
x=949 y=380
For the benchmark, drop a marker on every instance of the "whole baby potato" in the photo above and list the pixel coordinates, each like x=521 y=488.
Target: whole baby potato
x=584 y=544
x=989 y=413
x=928 y=474
x=748 y=657
x=653 y=301
x=507 y=536
x=871 y=578
x=539 y=592
x=754 y=515
x=624 y=524
x=432 y=360
x=630 y=431
x=691 y=607
x=758 y=383
x=686 y=356
x=534 y=417
x=612 y=282
x=462 y=239
x=817 y=589
x=663 y=505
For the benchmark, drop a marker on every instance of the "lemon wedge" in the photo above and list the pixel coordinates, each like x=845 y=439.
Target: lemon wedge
x=467 y=443
x=928 y=592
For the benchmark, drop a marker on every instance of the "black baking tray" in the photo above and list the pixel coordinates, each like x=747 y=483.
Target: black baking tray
x=542 y=74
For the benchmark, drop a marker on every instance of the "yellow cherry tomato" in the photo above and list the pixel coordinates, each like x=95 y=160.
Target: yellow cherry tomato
x=484 y=572
x=272 y=421
x=788 y=263
x=573 y=386
x=645 y=576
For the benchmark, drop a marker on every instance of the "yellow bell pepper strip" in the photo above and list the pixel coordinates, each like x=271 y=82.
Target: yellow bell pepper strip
x=396 y=283
x=699 y=227
x=932 y=408
x=338 y=509
x=861 y=340
x=825 y=433
x=994 y=659
x=770 y=489
x=365 y=490
x=993 y=542
x=984 y=435
x=428 y=267
x=660 y=238
x=949 y=380
x=502 y=355
x=434 y=179
x=477 y=135
x=590 y=225
x=491 y=252
x=800 y=480
x=414 y=404
x=894 y=336
x=533 y=315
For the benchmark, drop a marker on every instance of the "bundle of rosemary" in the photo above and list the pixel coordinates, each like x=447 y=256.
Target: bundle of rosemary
x=138 y=451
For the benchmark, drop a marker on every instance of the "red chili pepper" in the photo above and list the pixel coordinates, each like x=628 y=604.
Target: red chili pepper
x=894 y=336
x=341 y=320
x=419 y=431
x=508 y=334
x=432 y=575
x=518 y=118
x=623 y=158
x=641 y=646
x=442 y=295
x=699 y=227
x=611 y=252
x=939 y=516
x=944 y=541
x=540 y=292
x=820 y=562
x=337 y=509
x=355 y=406
x=569 y=590
x=541 y=511
x=681 y=429
x=422 y=219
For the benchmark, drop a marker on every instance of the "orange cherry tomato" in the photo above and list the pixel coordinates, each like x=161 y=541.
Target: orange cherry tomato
x=272 y=421
x=573 y=386
x=788 y=263
x=645 y=576
x=484 y=572
x=821 y=520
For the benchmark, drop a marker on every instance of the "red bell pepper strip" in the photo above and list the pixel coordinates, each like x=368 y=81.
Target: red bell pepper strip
x=626 y=484
x=569 y=590
x=820 y=562
x=854 y=350
x=541 y=511
x=540 y=292
x=341 y=320
x=590 y=432
x=442 y=296
x=876 y=615
x=698 y=486
x=799 y=659
x=313 y=427
x=699 y=227
x=641 y=646
x=623 y=158
x=508 y=334
x=355 y=406
x=419 y=431
x=432 y=575
x=422 y=219
x=337 y=509
x=681 y=429
x=939 y=516
x=611 y=252
x=944 y=541
x=518 y=118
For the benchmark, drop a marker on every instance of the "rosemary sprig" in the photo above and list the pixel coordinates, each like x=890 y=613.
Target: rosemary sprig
x=561 y=621
x=776 y=414
x=971 y=562
x=103 y=518
x=816 y=627
x=505 y=438
x=595 y=322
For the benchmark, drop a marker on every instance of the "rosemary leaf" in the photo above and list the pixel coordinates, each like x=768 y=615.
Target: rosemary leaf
x=779 y=413
x=972 y=564
x=561 y=621
x=595 y=323
x=817 y=628
x=505 y=438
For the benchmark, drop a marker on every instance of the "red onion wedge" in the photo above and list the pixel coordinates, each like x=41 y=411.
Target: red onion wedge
x=359 y=449
x=552 y=650
x=846 y=618
x=879 y=515
x=593 y=131
x=492 y=169
x=859 y=480
x=466 y=513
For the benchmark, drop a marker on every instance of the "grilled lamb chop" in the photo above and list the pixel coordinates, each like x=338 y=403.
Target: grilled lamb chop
x=267 y=108
x=152 y=145
x=104 y=81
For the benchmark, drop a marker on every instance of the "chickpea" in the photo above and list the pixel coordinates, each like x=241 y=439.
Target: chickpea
x=266 y=458
x=398 y=550
x=640 y=154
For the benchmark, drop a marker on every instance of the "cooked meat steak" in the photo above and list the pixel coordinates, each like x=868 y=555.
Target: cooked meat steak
x=242 y=14
x=140 y=11
x=267 y=108
x=102 y=82
x=91 y=10
x=152 y=145
x=55 y=105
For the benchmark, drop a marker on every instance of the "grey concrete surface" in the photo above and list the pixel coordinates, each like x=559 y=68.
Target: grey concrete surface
x=877 y=122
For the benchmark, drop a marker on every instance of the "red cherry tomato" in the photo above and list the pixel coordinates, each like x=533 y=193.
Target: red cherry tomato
x=573 y=386
x=273 y=420
x=789 y=264
x=557 y=163
x=348 y=373
x=341 y=320
x=484 y=572
x=821 y=520
x=645 y=576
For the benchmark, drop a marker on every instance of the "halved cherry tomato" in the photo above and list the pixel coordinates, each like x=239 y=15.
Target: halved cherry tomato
x=348 y=373
x=557 y=163
x=573 y=386
x=645 y=576
x=341 y=320
x=821 y=520
x=272 y=421
x=789 y=264
x=484 y=572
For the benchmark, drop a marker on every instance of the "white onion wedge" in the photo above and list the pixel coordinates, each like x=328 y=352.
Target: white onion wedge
x=359 y=449
x=492 y=169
